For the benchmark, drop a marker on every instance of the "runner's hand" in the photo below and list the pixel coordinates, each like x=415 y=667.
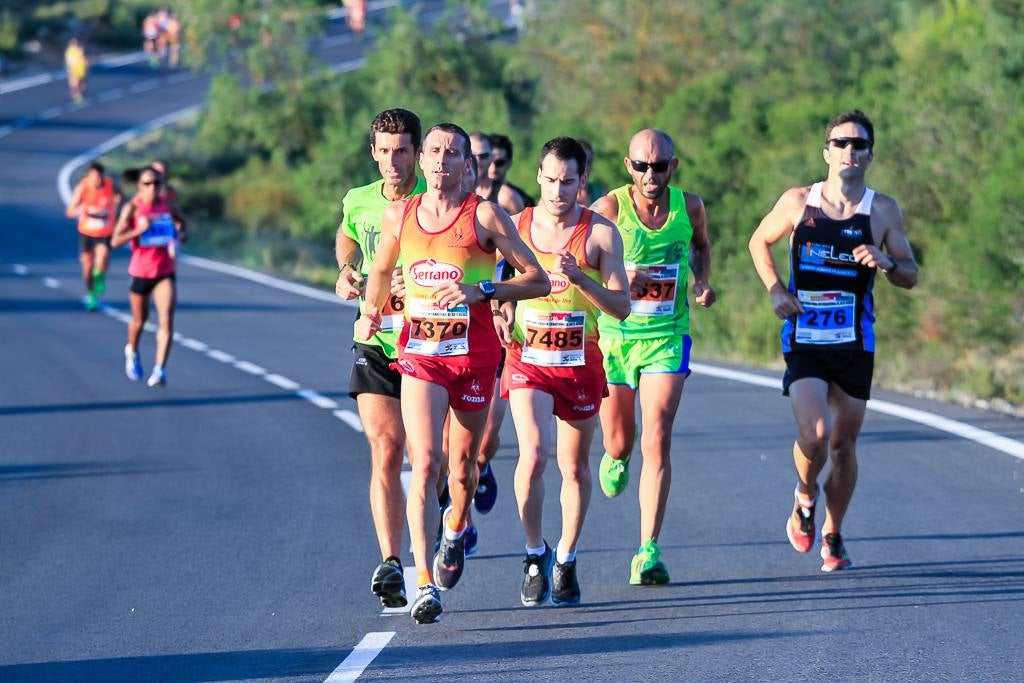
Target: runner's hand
x=784 y=302
x=638 y=280
x=453 y=294
x=349 y=285
x=182 y=236
x=568 y=267
x=501 y=326
x=366 y=326
x=703 y=294
x=871 y=256
x=398 y=283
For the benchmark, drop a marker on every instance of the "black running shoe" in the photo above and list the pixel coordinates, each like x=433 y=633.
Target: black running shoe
x=536 y=586
x=565 y=587
x=427 y=609
x=450 y=559
x=388 y=583
x=486 y=491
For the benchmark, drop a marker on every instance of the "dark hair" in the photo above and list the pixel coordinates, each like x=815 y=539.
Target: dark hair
x=396 y=121
x=501 y=142
x=852 y=116
x=130 y=176
x=588 y=148
x=565 y=149
x=475 y=164
x=98 y=167
x=454 y=129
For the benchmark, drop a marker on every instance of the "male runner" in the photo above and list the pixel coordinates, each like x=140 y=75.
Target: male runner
x=394 y=142
x=77 y=66
x=836 y=231
x=94 y=203
x=513 y=199
x=663 y=229
x=554 y=365
x=448 y=348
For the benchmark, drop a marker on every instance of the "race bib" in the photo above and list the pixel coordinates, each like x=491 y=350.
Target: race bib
x=435 y=331
x=393 y=316
x=658 y=296
x=160 y=232
x=828 y=318
x=95 y=218
x=553 y=338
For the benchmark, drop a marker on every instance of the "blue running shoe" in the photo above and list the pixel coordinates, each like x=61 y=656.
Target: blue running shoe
x=132 y=364
x=486 y=491
x=472 y=538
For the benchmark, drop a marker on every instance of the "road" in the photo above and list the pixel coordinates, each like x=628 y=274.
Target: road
x=218 y=530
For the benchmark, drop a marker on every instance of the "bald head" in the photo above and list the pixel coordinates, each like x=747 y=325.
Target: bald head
x=650 y=144
x=651 y=162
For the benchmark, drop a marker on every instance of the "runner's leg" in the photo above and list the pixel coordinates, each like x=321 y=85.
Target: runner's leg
x=809 y=398
x=531 y=415
x=847 y=418
x=382 y=421
x=618 y=421
x=660 y=394
x=573 y=447
x=88 y=261
x=164 y=296
x=140 y=313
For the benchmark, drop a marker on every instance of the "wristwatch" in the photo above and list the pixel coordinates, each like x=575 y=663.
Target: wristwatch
x=895 y=265
x=487 y=287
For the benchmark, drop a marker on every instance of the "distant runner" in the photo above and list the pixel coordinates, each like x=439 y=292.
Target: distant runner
x=94 y=203
x=77 y=66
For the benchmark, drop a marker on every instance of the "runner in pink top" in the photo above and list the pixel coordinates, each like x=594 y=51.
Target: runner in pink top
x=151 y=225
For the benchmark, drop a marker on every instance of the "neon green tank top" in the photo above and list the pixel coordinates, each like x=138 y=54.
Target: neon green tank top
x=661 y=309
x=362 y=210
x=559 y=331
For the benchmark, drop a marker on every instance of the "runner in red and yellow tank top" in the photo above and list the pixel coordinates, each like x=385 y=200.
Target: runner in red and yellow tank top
x=94 y=203
x=449 y=350
x=555 y=364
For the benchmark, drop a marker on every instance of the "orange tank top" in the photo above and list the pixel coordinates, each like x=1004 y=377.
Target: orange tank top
x=97 y=217
x=462 y=335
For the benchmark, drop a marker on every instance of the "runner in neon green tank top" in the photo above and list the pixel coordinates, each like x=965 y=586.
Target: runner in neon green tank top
x=394 y=141
x=662 y=227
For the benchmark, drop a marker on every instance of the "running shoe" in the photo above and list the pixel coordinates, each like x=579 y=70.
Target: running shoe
x=388 y=583
x=132 y=364
x=157 y=378
x=833 y=554
x=92 y=302
x=647 y=569
x=536 y=585
x=800 y=527
x=486 y=491
x=450 y=559
x=565 y=587
x=472 y=537
x=99 y=282
x=613 y=475
x=426 y=608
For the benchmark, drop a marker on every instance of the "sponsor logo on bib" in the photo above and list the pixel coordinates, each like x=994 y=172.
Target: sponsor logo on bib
x=429 y=272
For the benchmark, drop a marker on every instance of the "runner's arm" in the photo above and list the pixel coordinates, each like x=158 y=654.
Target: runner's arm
x=531 y=281
x=378 y=279
x=510 y=200
x=180 y=225
x=777 y=225
x=898 y=258
x=700 y=251
x=349 y=257
x=124 y=234
x=607 y=206
x=75 y=206
x=613 y=297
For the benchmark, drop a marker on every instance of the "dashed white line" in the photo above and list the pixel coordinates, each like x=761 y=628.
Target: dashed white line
x=194 y=344
x=266 y=280
x=122 y=60
x=364 y=653
x=51 y=283
x=283 y=382
x=19 y=269
x=5 y=130
x=340 y=39
x=251 y=368
x=181 y=78
x=29 y=82
x=319 y=400
x=111 y=95
x=143 y=86
x=221 y=356
x=51 y=113
x=349 y=418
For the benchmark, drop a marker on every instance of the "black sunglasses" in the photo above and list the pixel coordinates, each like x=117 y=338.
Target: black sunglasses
x=859 y=144
x=483 y=155
x=151 y=182
x=657 y=166
x=501 y=163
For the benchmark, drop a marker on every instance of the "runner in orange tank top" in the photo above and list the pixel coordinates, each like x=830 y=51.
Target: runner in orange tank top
x=449 y=349
x=555 y=365
x=94 y=203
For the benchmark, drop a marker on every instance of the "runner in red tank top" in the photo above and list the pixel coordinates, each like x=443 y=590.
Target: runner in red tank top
x=94 y=204
x=449 y=349
x=150 y=224
x=555 y=365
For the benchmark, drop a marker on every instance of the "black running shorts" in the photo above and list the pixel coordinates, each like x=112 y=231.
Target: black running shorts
x=87 y=243
x=145 y=285
x=372 y=374
x=851 y=371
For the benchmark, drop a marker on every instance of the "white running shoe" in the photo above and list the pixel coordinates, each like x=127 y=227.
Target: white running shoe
x=158 y=377
x=132 y=364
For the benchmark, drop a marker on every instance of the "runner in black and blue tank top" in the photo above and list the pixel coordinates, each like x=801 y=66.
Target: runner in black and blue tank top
x=837 y=231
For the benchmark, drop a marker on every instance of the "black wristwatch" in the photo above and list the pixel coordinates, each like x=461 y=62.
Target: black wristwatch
x=895 y=265
x=487 y=287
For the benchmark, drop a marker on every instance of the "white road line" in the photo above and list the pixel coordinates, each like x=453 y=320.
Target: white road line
x=122 y=60
x=348 y=65
x=143 y=86
x=283 y=382
x=349 y=418
x=961 y=429
x=364 y=653
x=221 y=356
x=28 y=82
x=251 y=368
x=339 y=39
x=5 y=130
x=181 y=78
x=51 y=113
x=111 y=95
x=194 y=344
x=19 y=269
x=266 y=280
x=319 y=400
x=410 y=589
x=51 y=283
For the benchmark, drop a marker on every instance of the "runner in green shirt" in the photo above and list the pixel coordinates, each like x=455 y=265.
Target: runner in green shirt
x=663 y=230
x=394 y=144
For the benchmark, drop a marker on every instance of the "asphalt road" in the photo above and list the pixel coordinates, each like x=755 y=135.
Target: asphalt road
x=218 y=529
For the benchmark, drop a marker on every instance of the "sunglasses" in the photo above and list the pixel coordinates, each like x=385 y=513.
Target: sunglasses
x=501 y=163
x=151 y=182
x=656 y=166
x=859 y=144
x=483 y=155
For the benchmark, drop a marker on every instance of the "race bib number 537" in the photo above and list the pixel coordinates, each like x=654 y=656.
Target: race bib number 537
x=658 y=296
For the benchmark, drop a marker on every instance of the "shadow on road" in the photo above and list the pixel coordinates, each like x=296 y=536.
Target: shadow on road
x=73 y=470
x=160 y=403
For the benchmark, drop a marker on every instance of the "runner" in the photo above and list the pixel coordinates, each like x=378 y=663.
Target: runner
x=449 y=349
x=94 y=203
x=77 y=66
x=150 y=224
x=554 y=365
x=172 y=30
x=394 y=142
x=169 y=193
x=840 y=227
x=663 y=230
x=511 y=198
x=356 y=16
x=150 y=35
